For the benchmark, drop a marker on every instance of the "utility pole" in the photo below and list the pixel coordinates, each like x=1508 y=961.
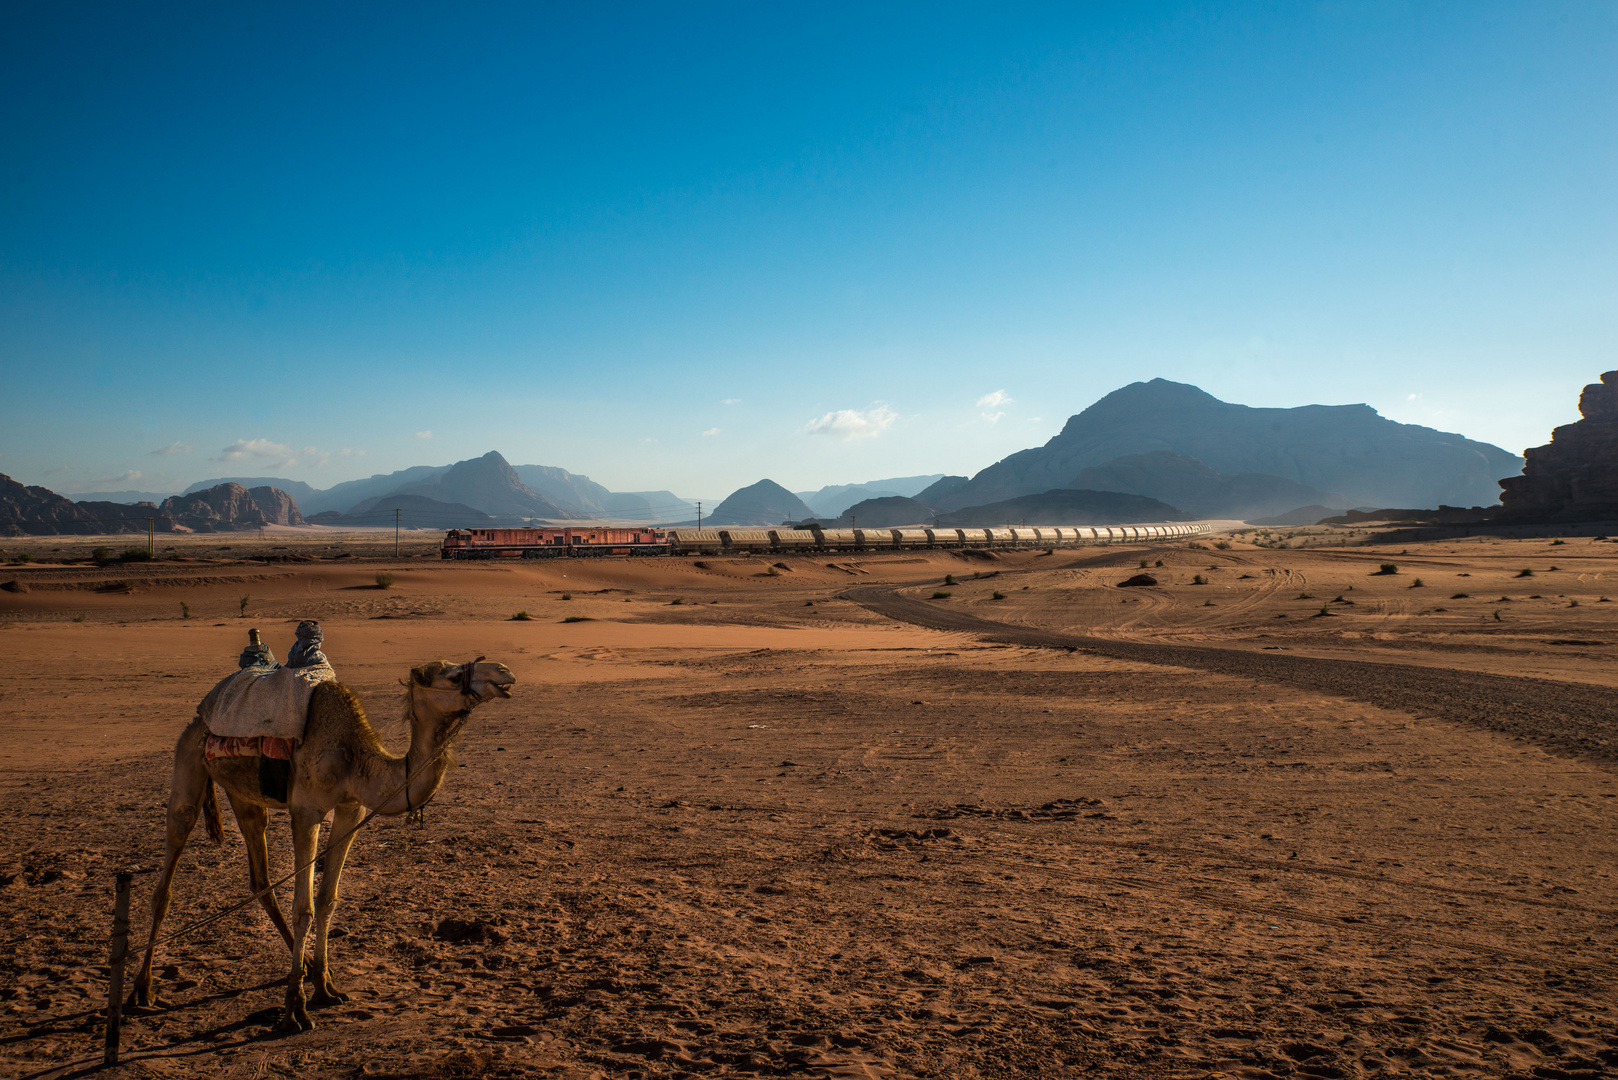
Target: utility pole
x=395 y=532
x=699 y=513
x=151 y=538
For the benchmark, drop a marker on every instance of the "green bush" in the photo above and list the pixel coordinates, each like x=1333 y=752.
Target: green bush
x=949 y=579
x=1222 y=545
x=941 y=595
x=242 y=607
x=577 y=618
x=567 y=596
x=1198 y=580
x=521 y=616
x=135 y=555
x=384 y=580
x=1388 y=568
x=1460 y=596
x=676 y=600
x=102 y=554
x=999 y=596
x=1416 y=583
x=1525 y=572
x=185 y=610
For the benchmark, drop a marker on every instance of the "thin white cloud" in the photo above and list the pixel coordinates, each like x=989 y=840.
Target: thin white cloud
x=424 y=434
x=257 y=448
x=710 y=433
x=171 y=449
x=993 y=417
x=731 y=401
x=849 y=424
x=109 y=483
x=994 y=400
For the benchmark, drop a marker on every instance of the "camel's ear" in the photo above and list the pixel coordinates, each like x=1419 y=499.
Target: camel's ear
x=426 y=674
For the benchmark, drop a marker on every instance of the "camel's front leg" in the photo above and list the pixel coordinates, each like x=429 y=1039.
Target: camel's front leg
x=305 y=839
x=343 y=821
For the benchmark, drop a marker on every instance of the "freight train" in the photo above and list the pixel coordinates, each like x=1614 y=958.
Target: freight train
x=585 y=543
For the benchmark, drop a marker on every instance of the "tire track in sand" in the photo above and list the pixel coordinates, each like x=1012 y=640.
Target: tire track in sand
x=1563 y=717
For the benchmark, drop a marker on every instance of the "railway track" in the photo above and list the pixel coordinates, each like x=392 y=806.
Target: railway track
x=1563 y=717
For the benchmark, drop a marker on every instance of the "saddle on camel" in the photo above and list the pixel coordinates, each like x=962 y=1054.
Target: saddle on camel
x=261 y=710
x=317 y=756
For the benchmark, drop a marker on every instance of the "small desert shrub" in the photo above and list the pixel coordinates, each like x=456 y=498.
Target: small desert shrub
x=1525 y=572
x=567 y=596
x=135 y=555
x=949 y=579
x=1305 y=596
x=771 y=571
x=1572 y=603
x=808 y=603
x=1160 y=562
x=1002 y=596
x=1197 y=580
x=384 y=580
x=22 y=557
x=242 y=606
x=185 y=610
x=940 y=595
x=102 y=554
x=1388 y=568
x=1143 y=564
x=1194 y=546
x=1222 y=545
x=1556 y=542
x=1416 y=584
x=78 y=618
x=577 y=618
x=1460 y=596
x=1554 y=569
x=1207 y=603
x=676 y=600
x=522 y=616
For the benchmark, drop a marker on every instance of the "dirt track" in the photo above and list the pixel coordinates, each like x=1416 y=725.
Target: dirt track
x=1560 y=716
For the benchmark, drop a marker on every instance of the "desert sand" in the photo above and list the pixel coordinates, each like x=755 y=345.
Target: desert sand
x=1303 y=819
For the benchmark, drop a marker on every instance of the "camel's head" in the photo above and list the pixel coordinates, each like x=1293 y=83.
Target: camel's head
x=481 y=680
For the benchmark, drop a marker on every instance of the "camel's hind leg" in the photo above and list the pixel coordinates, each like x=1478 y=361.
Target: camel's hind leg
x=343 y=821
x=191 y=793
x=253 y=820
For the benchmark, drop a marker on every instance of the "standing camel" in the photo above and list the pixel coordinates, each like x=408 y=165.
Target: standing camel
x=340 y=768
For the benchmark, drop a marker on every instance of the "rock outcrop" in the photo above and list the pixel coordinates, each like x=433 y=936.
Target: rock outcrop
x=763 y=503
x=38 y=511
x=887 y=512
x=1574 y=477
x=231 y=507
x=1345 y=449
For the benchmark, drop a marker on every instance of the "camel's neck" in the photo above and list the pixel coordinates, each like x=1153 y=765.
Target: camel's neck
x=432 y=729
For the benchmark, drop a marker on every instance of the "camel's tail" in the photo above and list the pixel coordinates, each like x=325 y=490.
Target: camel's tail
x=210 y=814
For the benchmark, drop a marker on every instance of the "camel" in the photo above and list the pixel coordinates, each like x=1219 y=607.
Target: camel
x=340 y=768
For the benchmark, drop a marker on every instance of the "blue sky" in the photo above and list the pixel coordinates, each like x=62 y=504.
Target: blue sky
x=687 y=246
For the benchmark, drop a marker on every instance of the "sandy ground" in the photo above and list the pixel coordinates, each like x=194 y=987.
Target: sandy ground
x=769 y=831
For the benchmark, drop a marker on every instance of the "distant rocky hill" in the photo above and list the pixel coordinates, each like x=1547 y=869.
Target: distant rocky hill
x=491 y=485
x=229 y=507
x=1067 y=506
x=1347 y=450
x=37 y=511
x=763 y=503
x=1574 y=477
x=528 y=491
x=1195 y=488
x=888 y=512
x=835 y=499
x=414 y=512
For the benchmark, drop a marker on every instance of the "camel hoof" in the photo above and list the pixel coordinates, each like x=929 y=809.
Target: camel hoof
x=292 y=1024
x=143 y=1000
x=327 y=996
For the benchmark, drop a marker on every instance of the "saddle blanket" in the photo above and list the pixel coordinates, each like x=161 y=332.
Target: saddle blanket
x=260 y=701
x=218 y=746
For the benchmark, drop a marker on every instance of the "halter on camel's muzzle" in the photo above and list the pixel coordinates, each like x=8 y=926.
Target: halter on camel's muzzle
x=467 y=671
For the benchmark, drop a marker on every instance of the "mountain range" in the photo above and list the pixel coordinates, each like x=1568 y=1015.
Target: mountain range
x=1181 y=450
x=1164 y=439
